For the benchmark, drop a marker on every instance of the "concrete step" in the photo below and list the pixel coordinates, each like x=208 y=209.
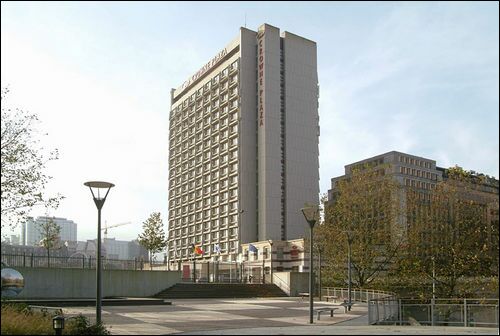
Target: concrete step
x=190 y=290
x=92 y=302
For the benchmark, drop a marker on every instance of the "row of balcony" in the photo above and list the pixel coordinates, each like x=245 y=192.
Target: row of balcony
x=191 y=139
x=213 y=90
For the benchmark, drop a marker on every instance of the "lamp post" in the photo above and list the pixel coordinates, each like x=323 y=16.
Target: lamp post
x=320 y=250
x=99 y=188
x=349 y=278
x=271 y=259
x=311 y=214
x=194 y=263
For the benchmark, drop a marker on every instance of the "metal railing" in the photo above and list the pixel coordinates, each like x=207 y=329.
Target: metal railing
x=220 y=272
x=82 y=262
x=357 y=294
x=434 y=312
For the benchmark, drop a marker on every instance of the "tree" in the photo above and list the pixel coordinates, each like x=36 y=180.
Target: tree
x=451 y=240
x=362 y=217
x=153 y=236
x=23 y=162
x=49 y=232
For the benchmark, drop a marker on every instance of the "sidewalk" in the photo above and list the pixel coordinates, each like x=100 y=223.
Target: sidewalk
x=351 y=330
x=255 y=316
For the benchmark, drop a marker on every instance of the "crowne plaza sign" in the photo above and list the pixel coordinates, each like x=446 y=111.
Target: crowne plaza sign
x=260 y=76
x=205 y=68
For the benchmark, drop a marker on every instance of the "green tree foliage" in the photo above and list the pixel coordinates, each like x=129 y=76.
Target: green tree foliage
x=153 y=236
x=364 y=213
x=451 y=240
x=50 y=233
x=23 y=162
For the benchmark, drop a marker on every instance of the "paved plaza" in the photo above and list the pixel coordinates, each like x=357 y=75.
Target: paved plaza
x=258 y=316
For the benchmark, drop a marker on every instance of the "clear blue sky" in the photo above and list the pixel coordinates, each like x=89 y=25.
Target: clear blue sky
x=421 y=78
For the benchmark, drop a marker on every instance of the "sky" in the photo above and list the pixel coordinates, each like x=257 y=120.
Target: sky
x=416 y=77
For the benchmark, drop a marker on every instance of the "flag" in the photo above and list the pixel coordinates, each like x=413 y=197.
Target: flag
x=198 y=250
x=217 y=249
x=252 y=248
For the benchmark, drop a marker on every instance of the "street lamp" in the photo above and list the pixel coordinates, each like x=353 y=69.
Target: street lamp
x=271 y=259
x=311 y=214
x=349 y=281
x=99 y=188
x=320 y=250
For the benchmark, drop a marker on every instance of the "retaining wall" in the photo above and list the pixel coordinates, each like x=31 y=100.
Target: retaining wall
x=52 y=283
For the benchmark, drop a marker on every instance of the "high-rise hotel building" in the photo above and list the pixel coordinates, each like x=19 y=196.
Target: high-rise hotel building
x=243 y=146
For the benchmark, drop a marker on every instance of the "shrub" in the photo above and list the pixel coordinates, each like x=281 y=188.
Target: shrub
x=19 y=319
x=80 y=325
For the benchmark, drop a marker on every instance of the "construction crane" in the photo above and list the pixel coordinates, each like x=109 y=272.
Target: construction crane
x=106 y=227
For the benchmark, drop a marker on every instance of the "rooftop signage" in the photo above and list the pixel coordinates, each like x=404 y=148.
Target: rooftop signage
x=204 y=69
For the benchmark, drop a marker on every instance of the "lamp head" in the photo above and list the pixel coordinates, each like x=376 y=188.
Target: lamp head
x=311 y=214
x=99 y=188
x=58 y=322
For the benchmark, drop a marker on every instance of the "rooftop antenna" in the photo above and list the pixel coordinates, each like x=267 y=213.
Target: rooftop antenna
x=245 y=20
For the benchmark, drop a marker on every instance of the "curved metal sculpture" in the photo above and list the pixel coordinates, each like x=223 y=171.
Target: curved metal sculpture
x=12 y=282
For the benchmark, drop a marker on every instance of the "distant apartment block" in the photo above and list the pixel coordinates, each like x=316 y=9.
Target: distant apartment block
x=111 y=249
x=31 y=235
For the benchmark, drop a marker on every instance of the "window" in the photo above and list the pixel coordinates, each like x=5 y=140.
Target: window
x=233 y=66
x=233 y=232
x=279 y=254
x=223 y=183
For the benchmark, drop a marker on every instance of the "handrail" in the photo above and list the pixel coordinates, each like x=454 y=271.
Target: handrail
x=357 y=294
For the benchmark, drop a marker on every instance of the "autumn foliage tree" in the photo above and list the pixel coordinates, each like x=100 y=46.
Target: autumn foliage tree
x=451 y=239
x=23 y=162
x=153 y=236
x=363 y=214
x=50 y=234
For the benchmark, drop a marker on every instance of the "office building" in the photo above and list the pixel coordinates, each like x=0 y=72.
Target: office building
x=31 y=229
x=422 y=174
x=243 y=146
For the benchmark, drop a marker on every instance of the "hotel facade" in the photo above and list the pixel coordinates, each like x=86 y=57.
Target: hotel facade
x=243 y=146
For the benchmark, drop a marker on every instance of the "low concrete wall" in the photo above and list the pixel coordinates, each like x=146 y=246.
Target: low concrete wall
x=52 y=283
x=292 y=283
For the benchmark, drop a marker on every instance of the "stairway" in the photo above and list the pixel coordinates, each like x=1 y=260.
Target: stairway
x=220 y=290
